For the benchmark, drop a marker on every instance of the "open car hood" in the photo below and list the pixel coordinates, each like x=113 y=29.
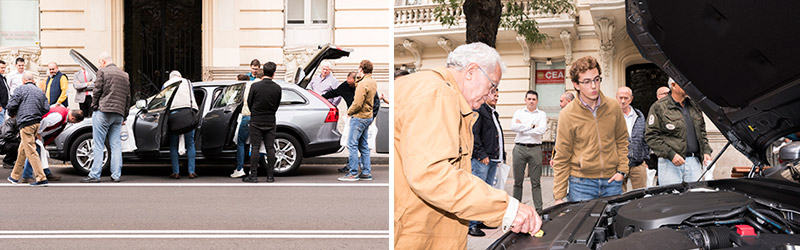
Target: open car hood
x=328 y=51
x=83 y=62
x=738 y=60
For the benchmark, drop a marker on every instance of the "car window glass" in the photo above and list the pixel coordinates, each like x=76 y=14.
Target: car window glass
x=291 y=97
x=159 y=101
x=231 y=95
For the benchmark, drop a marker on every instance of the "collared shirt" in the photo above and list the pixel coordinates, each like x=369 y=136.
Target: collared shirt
x=630 y=119
x=593 y=109
x=323 y=85
x=499 y=134
x=14 y=80
x=522 y=122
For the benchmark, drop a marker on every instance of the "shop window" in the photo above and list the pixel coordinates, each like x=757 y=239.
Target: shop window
x=549 y=79
x=19 y=23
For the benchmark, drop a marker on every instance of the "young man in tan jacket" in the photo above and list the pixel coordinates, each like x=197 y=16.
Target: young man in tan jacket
x=435 y=192
x=592 y=140
x=361 y=117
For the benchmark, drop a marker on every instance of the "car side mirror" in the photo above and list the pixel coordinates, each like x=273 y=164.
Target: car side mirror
x=141 y=104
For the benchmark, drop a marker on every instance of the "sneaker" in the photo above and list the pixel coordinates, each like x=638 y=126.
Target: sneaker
x=15 y=182
x=53 y=177
x=349 y=177
x=90 y=180
x=115 y=180
x=8 y=166
x=39 y=184
x=345 y=169
x=251 y=179
x=365 y=177
x=28 y=180
x=238 y=173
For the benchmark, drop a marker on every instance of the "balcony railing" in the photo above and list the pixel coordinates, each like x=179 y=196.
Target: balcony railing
x=418 y=15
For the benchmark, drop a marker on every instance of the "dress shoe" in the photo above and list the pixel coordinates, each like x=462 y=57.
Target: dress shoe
x=251 y=179
x=477 y=232
x=175 y=176
x=90 y=180
x=484 y=226
x=8 y=166
x=192 y=175
x=345 y=169
x=28 y=180
x=270 y=178
x=53 y=177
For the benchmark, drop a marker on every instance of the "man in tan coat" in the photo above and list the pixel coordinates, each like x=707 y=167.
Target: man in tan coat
x=435 y=192
x=591 y=141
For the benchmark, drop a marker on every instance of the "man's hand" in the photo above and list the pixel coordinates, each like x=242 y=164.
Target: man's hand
x=559 y=201
x=706 y=159
x=678 y=160
x=616 y=177
x=552 y=163
x=527 y=220
x=485 y=161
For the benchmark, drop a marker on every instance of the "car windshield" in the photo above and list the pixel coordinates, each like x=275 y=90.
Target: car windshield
x=159 y=101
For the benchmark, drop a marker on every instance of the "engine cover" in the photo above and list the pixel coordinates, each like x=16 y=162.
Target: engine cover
x=655 y=211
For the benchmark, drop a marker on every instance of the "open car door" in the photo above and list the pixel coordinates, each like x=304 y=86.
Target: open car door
x=151 y=121
x=328 y=51
x=220 y=123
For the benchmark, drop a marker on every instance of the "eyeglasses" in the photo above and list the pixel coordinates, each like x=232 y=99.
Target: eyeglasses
x=494 y=86
x=596 y=81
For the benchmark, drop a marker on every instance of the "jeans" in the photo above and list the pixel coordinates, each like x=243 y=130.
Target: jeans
x=2 y=116
x=27 y=172
x=190 y=151
x=106 y=124
x=668 y=173
x=358 y=143
x=241 y=141
x=485 y=172
x=532 y=157
x=581 y=189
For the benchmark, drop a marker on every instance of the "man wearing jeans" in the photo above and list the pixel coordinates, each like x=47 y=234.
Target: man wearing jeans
x=592 y=140
x=361 y=116
x=488 y=151
x=530 y=124
x=111 y=103
x=676 y=131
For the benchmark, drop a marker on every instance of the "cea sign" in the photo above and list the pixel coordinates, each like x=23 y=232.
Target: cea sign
x=546 y=76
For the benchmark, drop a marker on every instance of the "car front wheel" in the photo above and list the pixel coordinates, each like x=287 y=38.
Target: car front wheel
x=81 y=154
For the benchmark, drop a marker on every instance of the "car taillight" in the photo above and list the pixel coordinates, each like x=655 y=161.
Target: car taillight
x=333 y=113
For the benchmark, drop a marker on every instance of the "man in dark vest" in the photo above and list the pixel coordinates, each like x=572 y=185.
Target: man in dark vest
x=53 y=123
x=55 y=86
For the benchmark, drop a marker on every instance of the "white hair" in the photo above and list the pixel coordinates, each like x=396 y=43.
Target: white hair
x=486 y=57
x=106 y=57
x=669 y=82
x=326 y=64
x=175 y=74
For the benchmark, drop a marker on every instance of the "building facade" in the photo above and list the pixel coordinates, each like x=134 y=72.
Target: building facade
x=204 y=39
x=594 y=28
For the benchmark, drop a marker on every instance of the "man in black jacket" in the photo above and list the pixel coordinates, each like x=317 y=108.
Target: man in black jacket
x=263 y=101
x=8 y=160
x=488 y=150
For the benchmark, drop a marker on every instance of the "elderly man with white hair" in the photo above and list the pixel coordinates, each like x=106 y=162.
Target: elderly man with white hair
x=111 y=103
x=435 y=191
x=325 y=82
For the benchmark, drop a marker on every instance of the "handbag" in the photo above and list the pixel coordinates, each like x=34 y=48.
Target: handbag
x=183 y=120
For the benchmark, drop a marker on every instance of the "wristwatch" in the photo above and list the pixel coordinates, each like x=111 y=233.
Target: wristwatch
x=622 y=173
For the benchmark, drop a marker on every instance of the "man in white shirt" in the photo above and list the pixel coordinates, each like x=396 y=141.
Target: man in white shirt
x=530 y=124
x=15 y=77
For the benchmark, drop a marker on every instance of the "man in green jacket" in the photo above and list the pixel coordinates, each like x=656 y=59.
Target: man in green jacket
x=676 y=132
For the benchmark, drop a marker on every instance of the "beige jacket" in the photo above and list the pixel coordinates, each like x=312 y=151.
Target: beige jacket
x=435 y=192
x=363 y=98
x=589 y=146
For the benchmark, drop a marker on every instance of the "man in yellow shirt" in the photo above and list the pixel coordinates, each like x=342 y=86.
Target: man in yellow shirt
x=55 y=86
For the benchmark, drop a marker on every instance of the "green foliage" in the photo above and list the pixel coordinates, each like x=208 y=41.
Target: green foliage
x=515 y=15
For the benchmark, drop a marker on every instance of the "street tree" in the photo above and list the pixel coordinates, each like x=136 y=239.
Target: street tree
x=484 y=17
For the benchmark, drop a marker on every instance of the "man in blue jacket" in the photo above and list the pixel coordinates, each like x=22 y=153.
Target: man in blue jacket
x=28 y=105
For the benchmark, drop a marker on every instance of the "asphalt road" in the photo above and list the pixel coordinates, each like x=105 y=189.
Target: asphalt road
x=147 y=210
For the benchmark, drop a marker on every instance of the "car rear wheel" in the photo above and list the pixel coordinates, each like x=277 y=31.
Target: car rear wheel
x=288 y=154
x=81 y=154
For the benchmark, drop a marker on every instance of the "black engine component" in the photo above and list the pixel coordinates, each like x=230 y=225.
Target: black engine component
x=692 y=238
x=656 y=211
